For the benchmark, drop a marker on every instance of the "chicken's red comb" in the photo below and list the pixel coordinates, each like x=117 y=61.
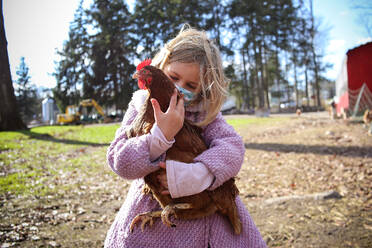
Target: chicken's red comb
x=143 y=64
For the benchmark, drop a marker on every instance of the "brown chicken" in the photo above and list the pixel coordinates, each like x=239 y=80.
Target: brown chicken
x=367 y=117
x=298 y=112
x=188 y=144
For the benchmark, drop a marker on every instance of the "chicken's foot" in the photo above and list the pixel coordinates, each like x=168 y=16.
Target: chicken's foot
x=146 y=190
x=171 y=209
x=147 y=217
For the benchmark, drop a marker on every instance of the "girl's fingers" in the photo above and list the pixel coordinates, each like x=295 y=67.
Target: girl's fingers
x=180 y=106
x=165 y=192
x=162 y=178
x=162 y=165
x=156 y=108
x=173 y=101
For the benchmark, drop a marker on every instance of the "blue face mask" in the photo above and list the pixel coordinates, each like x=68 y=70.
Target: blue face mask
x=187 y=95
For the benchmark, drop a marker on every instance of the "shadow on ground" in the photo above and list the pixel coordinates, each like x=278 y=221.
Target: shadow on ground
x=48 y=137
x=348 y=151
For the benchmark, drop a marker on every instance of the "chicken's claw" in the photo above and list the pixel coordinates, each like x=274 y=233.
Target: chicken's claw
x=147 y=217
x=171 y=209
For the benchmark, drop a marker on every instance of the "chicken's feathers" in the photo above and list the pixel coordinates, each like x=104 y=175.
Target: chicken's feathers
x=139 y=97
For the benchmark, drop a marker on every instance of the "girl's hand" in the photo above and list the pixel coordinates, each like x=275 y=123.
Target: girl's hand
x=163 y=179
x=171 y=121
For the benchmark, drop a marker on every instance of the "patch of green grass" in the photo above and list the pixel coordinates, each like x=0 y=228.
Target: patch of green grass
x=89 y=134
x=30 y=159
x=94 y=134
x=15 y=183
x=11 y=140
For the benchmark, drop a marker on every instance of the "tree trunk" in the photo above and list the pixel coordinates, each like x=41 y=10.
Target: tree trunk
x=317 y=83
x=286 y=77
x=295 y=81
x=277 y=75
x=9 y=115
x=257 y=80
x=265 y=79
x=217 y=19
x=316 y=72
x=307 y=87
x=260 y=88
x=116 y=92
x=245 y=81
x=251 y=77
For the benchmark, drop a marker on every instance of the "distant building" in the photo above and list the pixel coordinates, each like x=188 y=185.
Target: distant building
x=355 y=75
x=49 y=111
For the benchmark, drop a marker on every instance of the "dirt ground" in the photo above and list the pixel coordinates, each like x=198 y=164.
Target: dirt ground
x=306 y=182
x=287 y=168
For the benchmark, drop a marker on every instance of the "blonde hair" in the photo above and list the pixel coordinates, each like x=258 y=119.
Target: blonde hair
x=193 y=46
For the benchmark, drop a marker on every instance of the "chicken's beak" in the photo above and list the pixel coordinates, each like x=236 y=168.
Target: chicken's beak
x=135 y=75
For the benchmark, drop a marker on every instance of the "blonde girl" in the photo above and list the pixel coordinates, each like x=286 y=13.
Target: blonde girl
x=193 y=62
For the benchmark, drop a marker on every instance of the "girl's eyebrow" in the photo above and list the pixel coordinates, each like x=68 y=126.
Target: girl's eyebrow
x=190 y=82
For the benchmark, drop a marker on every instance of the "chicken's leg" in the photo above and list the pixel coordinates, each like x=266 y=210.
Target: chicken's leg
x=171 y=209
x=145 y=218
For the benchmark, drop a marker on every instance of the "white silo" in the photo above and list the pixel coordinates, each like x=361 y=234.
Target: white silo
x=48 y=110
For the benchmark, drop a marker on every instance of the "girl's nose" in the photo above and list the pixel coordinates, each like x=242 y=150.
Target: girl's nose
x=180 y=84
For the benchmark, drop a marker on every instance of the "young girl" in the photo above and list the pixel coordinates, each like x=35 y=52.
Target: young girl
x=194 y=64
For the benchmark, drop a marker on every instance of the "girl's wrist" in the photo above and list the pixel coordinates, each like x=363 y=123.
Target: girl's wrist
x=169 y=137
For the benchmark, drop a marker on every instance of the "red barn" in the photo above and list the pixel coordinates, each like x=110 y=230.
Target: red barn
x=355 y=72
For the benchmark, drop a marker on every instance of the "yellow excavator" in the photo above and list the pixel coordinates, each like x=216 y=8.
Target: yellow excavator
x=71 y=116
x=77 y=115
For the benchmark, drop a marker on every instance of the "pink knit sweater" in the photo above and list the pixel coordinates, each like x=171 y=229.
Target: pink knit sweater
x=130 y=159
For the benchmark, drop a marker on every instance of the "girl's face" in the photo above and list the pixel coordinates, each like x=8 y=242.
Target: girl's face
x=185 y=75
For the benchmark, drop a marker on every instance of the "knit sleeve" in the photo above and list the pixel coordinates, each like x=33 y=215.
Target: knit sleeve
x=158 y=143
x=129 y=157
x=225 y=153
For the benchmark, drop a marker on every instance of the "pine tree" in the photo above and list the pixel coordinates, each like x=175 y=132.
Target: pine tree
x=112 y=54
x=98 y=64
x=71 y=69
x=26 y=93
x=157 y=21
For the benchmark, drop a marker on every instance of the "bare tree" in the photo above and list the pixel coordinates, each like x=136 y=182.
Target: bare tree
x=9 y=115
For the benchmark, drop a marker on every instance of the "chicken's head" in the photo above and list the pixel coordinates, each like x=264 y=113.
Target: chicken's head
x=143 y=74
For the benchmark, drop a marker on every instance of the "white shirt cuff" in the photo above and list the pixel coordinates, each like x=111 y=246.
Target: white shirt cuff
x=158 y=143
x=187 y=178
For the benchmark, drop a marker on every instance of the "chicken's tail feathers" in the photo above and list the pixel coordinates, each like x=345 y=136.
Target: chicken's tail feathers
x=234 y=219
x=232 y=213
x=228 y=206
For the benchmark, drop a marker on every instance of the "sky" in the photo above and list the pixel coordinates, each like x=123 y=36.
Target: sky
x=36 y=29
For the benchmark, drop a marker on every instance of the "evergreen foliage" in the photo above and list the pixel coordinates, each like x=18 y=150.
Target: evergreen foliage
x=29 y=104
x=270 y=48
